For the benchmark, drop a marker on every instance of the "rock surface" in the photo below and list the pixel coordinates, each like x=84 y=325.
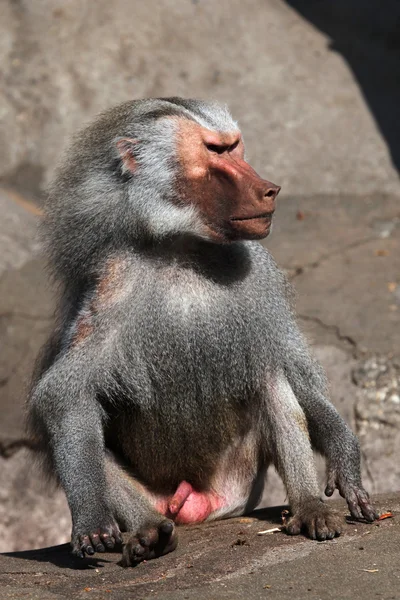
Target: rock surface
x=293 y=86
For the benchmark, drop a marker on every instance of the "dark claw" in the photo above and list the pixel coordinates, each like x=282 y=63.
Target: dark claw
x=96 y=543
x=367 y=509
x=369 y=512
x=100 y=548
x=108 y=542
x=96 y=540
x=167 y=527
x=311 y=535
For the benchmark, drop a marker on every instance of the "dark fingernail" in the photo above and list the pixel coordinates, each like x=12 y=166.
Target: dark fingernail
x=89 y=550
x=167 y=527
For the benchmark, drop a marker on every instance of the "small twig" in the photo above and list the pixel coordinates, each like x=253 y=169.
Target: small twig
x=273 y=530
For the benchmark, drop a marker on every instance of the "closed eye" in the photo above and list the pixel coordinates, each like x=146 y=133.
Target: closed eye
x=221 y=148
x=218 y=148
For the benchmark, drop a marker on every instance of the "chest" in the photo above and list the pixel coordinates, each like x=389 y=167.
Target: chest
x=180 y=317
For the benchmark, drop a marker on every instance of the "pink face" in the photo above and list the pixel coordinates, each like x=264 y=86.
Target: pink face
x=234 y=202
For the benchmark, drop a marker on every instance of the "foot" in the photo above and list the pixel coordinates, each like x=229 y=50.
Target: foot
x=150 y=542
x=95 y=539
x=316 y=519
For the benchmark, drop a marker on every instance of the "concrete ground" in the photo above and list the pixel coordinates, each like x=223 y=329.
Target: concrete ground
x=225 y=560
x=312 y=84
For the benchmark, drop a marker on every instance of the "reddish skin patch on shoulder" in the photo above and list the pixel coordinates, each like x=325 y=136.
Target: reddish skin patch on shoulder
x=233 y=200
x=83 y=329
x=111 y=284
x=109 y=289
x=189 y=506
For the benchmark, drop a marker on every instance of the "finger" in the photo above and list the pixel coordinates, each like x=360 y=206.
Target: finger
x=107 y=540
x=96 y=542
x=86 y=545
x=355 y=510
x=329 y=490
x=167 y=527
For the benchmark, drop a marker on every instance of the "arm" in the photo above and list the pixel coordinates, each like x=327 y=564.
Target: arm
x=331 y=436
x=290 y=449
x=65 y=411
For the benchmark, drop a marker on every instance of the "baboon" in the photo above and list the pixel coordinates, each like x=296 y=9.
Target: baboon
x=176 y=373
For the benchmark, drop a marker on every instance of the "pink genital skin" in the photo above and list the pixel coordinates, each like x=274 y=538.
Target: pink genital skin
x=189 y=506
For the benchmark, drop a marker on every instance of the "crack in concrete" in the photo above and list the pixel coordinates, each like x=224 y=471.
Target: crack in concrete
x=27 y=316
x=301 y=269
x=4 y=381
x=8 y=450
x=335 y=329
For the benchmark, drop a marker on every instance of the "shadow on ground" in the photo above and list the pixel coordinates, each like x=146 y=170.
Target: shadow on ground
x=367 y=35
x=60 y=556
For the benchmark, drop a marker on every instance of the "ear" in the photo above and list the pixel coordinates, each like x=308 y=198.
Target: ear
x=126 y=151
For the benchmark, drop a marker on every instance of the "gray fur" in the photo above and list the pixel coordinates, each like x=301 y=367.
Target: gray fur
x=198 y=350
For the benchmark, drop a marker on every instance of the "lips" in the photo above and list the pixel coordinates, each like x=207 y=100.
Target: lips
x=267 y=215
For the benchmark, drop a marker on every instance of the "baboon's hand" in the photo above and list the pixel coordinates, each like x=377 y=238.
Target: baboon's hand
x=352 y=491
x=88 y=540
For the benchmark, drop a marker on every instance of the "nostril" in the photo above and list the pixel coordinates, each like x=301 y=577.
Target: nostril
x=272 y=192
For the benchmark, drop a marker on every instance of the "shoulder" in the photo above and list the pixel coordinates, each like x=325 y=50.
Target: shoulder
x=260 y=255
x=265 y=269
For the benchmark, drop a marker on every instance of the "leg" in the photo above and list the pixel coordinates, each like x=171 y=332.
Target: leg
x=331 y=436
x=290 y=447
x=65 y=412
x=152 y=534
